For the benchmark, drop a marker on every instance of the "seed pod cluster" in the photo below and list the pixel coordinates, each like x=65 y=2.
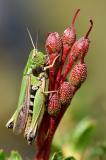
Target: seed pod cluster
x=75 y=50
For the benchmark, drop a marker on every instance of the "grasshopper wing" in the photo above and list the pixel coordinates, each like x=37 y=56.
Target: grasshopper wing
x=22 y=114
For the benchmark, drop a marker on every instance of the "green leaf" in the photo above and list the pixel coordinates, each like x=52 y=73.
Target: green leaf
x=82 y=134
x=14 y=156
x=2 y=155
x=57 y=156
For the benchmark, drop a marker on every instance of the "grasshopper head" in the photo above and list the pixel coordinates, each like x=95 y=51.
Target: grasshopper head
x=38 y=58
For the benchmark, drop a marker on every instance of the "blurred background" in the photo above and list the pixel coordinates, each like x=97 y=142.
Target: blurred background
x=49 y=16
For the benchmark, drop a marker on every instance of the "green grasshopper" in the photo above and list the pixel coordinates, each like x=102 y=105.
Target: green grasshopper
x=35 y=61
x=24 y=116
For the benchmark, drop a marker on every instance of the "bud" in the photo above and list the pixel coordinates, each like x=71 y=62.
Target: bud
x=69 y=35
x=66 y=92
x=54 y=105
x=53 y=43
x=78 y=74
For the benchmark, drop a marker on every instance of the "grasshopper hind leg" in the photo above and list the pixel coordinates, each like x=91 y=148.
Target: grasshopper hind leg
x=30 y=114
x=10 y=123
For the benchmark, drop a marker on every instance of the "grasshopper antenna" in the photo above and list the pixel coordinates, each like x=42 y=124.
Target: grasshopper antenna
x=36 y=40
x=37 y=35
x=30 y=38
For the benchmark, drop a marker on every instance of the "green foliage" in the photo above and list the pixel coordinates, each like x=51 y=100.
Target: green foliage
x=14 y=155
x=59 y=156
x=78 y=141
x=82 y=134
x=2 y=155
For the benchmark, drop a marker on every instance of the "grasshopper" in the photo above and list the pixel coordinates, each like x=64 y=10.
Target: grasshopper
x=24 y=117
x=35 y=61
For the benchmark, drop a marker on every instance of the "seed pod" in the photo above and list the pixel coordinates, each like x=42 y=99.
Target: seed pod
x=80 y=47
x=69 y=35
x=54 y=105
x=66 y=92
x=53 y=47
x=78 y=74
x=78 y=51
x=53 y=43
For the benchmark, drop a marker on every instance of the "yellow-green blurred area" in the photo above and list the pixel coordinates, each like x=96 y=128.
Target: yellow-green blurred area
x=49 y=16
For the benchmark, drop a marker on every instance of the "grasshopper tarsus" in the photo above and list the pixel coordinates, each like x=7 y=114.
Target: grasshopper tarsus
x=30 y=137
x=10 y=125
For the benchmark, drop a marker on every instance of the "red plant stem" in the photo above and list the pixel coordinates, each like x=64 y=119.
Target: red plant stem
x=44 y=151
x=52 y=71
x=67 y=69
x=63 y=58
x=43 y=130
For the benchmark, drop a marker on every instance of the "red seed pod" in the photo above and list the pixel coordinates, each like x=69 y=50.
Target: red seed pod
x=78 y=74
x=54 y=105
x=53 y=47
x=69 y=35
x=66 y=92
x=78 y=51
x=80 y=47
x=53 y=43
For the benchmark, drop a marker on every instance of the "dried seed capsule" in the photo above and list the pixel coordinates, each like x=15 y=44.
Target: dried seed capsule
x=53 y=43
x=54 y=105
x=78 y=74
x=66 y=92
